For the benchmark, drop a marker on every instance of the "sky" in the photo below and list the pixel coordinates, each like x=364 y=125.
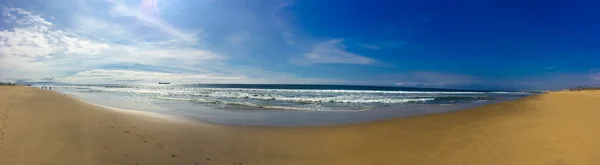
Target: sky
x=529 y=45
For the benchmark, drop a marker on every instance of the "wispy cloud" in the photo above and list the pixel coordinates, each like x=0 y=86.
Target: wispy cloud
x=281 y=17
x=34 y=47
x=95 y=50
x=373 y=47
x=332 y=52
x=148 y=13
x=25 y=18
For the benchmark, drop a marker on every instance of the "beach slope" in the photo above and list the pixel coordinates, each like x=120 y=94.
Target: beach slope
x=45 y=127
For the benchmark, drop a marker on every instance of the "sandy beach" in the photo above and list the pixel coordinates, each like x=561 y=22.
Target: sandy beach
x=46 y=127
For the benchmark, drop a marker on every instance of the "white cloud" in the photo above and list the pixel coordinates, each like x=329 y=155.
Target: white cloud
x=33 y=48
x=26 y=43
x=332 y=51
x=30 y=40
x=33 y=36
x=24 y=18
x=133 y=76
x=370 y=46
x=76 y=45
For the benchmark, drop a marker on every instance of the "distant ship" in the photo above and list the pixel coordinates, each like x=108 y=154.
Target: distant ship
x=164 y=83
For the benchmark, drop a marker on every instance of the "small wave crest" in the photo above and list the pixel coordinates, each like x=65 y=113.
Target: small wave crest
x=245 y=104
x=314 y=99
x=334 y=91
x=299 y=99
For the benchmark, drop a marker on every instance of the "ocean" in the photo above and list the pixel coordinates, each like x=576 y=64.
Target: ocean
x=253 y=104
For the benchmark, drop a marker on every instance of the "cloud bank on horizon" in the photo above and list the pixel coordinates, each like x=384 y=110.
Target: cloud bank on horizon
x=205 y=41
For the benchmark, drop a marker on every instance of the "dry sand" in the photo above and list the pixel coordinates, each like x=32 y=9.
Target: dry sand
x=43 y=127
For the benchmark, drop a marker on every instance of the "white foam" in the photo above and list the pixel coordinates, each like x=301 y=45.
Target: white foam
x=239 y=96
x=334 y=91
x=184 y=91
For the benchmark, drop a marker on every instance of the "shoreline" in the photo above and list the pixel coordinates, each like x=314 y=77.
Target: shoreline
x=272 y=117
x=191 y=121
x=168 y=118
x=553 y=128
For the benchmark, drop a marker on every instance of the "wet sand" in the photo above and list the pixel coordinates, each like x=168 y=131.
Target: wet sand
x=44 y=127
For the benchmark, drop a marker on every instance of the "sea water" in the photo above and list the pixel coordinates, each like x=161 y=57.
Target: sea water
x=277 y=104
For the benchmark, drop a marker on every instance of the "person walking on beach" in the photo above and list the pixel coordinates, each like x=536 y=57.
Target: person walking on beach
x=50 y=88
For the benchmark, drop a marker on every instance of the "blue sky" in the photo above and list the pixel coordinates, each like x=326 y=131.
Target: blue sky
x=466 y=44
